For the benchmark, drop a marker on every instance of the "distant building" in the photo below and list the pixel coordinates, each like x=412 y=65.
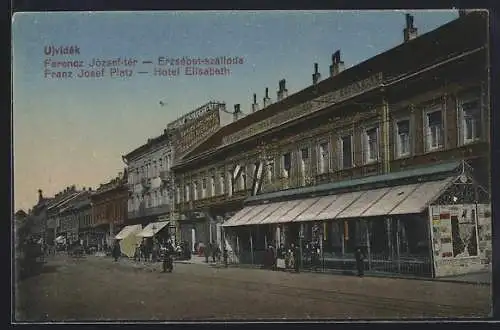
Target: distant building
x=109 y=210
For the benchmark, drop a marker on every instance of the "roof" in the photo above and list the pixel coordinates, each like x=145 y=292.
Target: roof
x=149 y=144
x=385 y=179
x=458 y=36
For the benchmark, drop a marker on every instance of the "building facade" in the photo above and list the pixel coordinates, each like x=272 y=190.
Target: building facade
x=387 y=119
x=152 y=190
x=109 y=210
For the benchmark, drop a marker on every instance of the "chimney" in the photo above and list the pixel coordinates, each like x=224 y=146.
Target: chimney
x=237 y=112
x=410 y=32
x=337 y=64
x=40 y=195
x=316 y=75
x=282 y=91
x=267 y=99
x=255 y=105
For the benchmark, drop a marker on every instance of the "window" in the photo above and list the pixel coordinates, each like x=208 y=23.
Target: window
x=212 y=186
x=287 y=164
x=222 y=188
x=169 y=162
x=403 y=138
x=203 y=188
x=324 y=158
x=346 y=160
x=243 y=180
x=161 y=164
x=433 y=130
x=371 y=145
x=195 y=190
x=270 y=171
x=471 y=121
x=304 y=164
x=187 y=192
x=178 y=194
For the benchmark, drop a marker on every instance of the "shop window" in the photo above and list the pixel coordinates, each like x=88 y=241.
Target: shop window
x=403 y=138
x=346 y=154
x=324 y=158
x=371 y=145
x=470 y=118
x=434 y=130
x=287 y=164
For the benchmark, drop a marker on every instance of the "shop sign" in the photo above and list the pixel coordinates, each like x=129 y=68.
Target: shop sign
x=306 y=108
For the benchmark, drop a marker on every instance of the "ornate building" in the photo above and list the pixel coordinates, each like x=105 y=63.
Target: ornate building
x=415 y=114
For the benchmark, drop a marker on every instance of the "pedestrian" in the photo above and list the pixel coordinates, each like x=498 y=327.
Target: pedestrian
x=207 y=252
x=297 y=257
x=360 y=258
x=116 y=251
x=225 y=252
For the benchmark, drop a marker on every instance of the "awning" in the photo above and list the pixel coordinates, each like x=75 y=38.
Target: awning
x=299 y=208
x=261 y=216
x=338 y=205
x=152 y=229
x=284 y=208
x=421 y=197
x=316 y=208
x=403 y=199
x=128 y=230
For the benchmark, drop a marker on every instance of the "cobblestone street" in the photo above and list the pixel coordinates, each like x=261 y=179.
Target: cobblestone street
x=96 y=288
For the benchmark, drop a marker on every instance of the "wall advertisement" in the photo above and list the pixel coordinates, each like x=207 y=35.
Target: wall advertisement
x=455 y=236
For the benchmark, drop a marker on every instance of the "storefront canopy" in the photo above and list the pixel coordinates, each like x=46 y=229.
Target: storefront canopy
x=128 y=230
x=152 y=229
x=402 y=199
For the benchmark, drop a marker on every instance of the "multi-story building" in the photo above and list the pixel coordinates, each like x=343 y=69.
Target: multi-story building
x=109 y=210
x=377 y=155
x=150 y=180
x=53 y=212
x=71 y=216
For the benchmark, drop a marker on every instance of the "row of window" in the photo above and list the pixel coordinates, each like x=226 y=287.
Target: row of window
x=111 y=211
x=151 y=199
x=151 y=169
x=469 y=125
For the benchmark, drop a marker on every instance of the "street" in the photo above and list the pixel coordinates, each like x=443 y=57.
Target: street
x=96 y=288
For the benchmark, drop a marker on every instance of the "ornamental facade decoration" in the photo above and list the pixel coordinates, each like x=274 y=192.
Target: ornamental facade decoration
x=307 y=108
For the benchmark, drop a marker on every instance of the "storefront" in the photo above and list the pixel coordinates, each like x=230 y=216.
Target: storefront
x=432 y=221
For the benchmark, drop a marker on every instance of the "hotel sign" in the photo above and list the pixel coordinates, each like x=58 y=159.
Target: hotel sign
x=307 y=108
x=196 y=132
x=195 y=114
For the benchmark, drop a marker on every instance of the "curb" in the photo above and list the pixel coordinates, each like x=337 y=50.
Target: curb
x=343 y=273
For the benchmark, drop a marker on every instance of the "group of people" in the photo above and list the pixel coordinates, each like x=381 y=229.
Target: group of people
x=152 y=249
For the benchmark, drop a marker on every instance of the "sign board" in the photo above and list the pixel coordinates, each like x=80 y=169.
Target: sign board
x=195 y=114
x=454 y=236
x=195 y=132
x=306 y=108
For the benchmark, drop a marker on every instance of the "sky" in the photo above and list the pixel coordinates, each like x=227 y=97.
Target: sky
x=74 y=131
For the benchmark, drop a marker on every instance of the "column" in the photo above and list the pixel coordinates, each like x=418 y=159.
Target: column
x=389 y=239
x=398 y=245
x=368 y=244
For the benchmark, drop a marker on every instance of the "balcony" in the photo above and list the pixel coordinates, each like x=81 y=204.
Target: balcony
x=149 y=211
x=146 y=184
x=166 y=176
